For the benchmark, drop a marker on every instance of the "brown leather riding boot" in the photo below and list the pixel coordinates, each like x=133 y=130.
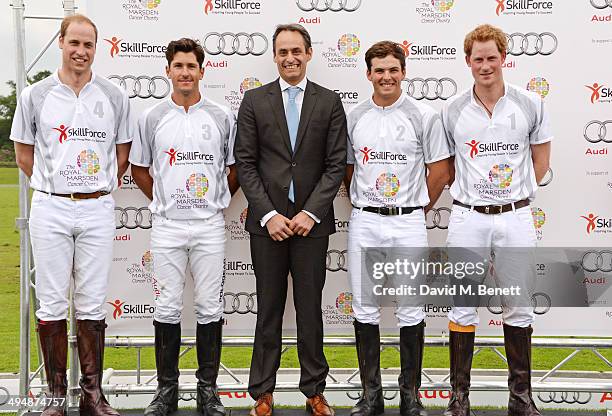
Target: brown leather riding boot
x=461 y=353
x=53 y=337
x=518 y=352
x=412 y=343
x=90 y=342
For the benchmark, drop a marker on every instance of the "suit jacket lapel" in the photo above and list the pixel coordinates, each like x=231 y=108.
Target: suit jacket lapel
x=278 y=108
x=308 y=104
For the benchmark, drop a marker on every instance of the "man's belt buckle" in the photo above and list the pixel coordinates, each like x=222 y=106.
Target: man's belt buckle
x=73 y=197
x=494 y=209
x=394 y=211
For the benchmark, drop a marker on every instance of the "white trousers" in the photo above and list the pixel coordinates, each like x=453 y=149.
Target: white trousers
x=175 y=244
x=484 y=234
x=71 y=238
x=370 y=230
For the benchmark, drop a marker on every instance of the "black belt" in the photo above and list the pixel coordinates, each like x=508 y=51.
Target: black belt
x=494 y=209
x=390 y=210
x=79 y=195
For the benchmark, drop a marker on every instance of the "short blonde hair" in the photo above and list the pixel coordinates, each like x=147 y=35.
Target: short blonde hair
x=76 y=18
x=484 y=33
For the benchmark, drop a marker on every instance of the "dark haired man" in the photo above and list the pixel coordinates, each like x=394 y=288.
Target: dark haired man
x=290 y=154
x=72 y=135
x=390 y=198
x=187 y=141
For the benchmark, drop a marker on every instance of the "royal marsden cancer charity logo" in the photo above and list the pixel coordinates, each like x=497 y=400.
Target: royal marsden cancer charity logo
x=497 y=185
x=388 y=185
x=435 y=11
x=142 y=10
x=477 y=149
x=234 y=98
x=522 y=7
x=120 y=48
x=141 y=273
x=344 y=303
x=599 y=93
x=539 y=217
x=249 y=83
x=597 y=224
x=231 y=7
x=236 y=227
x=89 y=162
x=84 y=172
x=344 y=53
x=539 y=85
x=501 y=176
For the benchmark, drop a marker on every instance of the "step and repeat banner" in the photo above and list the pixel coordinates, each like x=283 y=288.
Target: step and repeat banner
x=561 y=50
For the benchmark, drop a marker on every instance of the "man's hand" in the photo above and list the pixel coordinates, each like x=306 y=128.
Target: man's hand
x=279 y=227
x=301 y=224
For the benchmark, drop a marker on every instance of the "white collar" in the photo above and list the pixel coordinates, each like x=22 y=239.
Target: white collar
x=284 y=84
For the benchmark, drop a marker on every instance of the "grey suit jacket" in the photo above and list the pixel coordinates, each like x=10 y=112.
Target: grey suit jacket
x=266 y=164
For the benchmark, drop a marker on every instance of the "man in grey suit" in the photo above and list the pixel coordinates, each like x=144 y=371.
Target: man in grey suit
x=290 y=154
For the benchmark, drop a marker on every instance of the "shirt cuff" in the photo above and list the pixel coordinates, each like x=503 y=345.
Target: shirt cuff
x=267 y=217
x=311 y=215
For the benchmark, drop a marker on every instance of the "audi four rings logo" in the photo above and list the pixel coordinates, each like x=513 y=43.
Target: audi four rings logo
x=593 y=135
x=531 y=43
x=336 y=260
x=143 y=86
x=430 y=88
x=593 y=261
x=540 y=301
x=601 y=4
x=240 y=43
x=569 y=397
x=331 y=5
x=132 y=218
x=438 y=218
x=240 y=303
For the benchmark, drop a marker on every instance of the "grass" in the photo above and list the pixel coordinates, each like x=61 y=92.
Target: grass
x=238 y=357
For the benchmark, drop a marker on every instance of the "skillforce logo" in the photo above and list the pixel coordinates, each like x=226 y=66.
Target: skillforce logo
x=123 y=310
x=123 y=49
x=597 y=224
x=231 y=7
x=343 y=55
x=176 y=157
x=478 y=149
x=435 y=11
x=599 y=93
x=522 y=7
x=142 y=10
x=370 y=156
x=427 y=52
x=66 y=133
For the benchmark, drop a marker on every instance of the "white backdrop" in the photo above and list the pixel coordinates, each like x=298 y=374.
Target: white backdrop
x=571 y=60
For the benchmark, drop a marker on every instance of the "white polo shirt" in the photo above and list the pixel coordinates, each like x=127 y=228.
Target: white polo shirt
x=74 y=137
x=493 y=162
x=188 y=151
x=389 y=147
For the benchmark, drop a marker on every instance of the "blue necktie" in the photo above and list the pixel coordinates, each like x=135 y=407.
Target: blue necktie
x=293 y=121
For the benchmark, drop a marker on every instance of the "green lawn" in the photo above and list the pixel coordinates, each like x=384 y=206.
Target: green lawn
x=338 y=357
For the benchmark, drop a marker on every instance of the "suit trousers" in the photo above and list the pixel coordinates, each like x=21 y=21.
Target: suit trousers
x=272 y=260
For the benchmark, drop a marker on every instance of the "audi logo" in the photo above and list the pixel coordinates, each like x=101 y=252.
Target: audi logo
x=430 y=88
x=240 y=303
x=593 y=261
x=601 y=135
x=570 y=397
x=541 y=304
x=241 y=43
x=388 y=395
x=598 y=3
x=531 y=43
x=438 y=218
x=336 y=260
x=143 y=86
x=548 y=177
x=132 y=218
x=332 y=5
x=5 y=395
